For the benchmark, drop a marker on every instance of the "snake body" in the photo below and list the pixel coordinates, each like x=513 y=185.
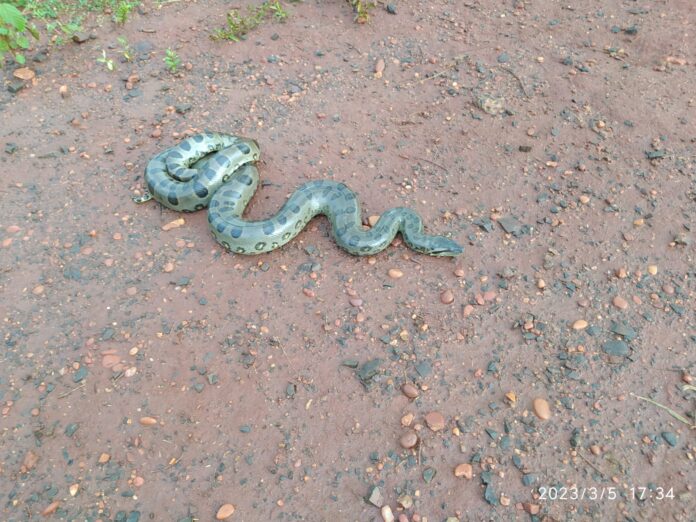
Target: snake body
x=217 y=171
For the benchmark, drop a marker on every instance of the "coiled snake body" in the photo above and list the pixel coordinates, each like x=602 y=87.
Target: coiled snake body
x=217 y=171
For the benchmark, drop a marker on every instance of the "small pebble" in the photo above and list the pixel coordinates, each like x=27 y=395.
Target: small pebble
x=435 y=420
x=409 y=390
x=168 y=267
x=224 y=512
x=51 y=508
x=148 y=421
x=387 y=514
x=408 y=440
x=405 y=501
x=465 y=470
x=652 y=269
x=379 y=68
x=38 y=290
x=447 y=297
x=173 y=224
x=24 y=73
x=542 y=408
x=395 y=273
x=620 y=303
x=580 y=324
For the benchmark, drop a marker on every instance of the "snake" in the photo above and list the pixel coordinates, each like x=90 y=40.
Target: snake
x=218 y=171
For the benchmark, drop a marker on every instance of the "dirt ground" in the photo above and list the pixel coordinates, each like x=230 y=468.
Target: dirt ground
x=149 y=375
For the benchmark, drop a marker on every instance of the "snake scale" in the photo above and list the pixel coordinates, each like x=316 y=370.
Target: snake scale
x=217 y=171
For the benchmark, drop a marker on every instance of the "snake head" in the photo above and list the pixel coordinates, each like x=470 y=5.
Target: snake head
x=445 y=248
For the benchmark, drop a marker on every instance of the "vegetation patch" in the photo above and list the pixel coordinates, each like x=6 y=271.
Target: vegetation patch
x=239 y=23
x=13 y=33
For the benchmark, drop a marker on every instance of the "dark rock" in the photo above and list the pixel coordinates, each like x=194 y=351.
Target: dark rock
x=41 y=56
x=15 y=86
x=624 y=331
x=616 y=348
x=80 y=374
x=369 y=370
x=80 y=37
x=490 y=495
x=143 y=47
x=670 y=438
x=424 y=368
x=528 y=479
x=391 y=9
x=512 y=225
x=484 y=223
x=11 y=148
x=182 y=108
x=429 y=474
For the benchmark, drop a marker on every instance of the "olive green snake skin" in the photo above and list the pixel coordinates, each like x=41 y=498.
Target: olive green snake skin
x=217 y=171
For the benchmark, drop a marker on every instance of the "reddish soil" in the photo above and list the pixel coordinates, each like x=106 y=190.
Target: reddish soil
x=555 y=140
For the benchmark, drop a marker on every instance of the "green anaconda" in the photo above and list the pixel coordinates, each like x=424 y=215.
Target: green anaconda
x=217 y=171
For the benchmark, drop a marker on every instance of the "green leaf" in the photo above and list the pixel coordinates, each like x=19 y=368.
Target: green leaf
x=34 y=31
x=19 y=58
x=9 y=14
x=4 y=31
x=22 y=41
x=3 y=46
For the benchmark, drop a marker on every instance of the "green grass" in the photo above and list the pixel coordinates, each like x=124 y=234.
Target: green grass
x=239 y=24
x=122 y=11
x=53 y=9
x=13 y=37
x=361 y=8
x=171 y=60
